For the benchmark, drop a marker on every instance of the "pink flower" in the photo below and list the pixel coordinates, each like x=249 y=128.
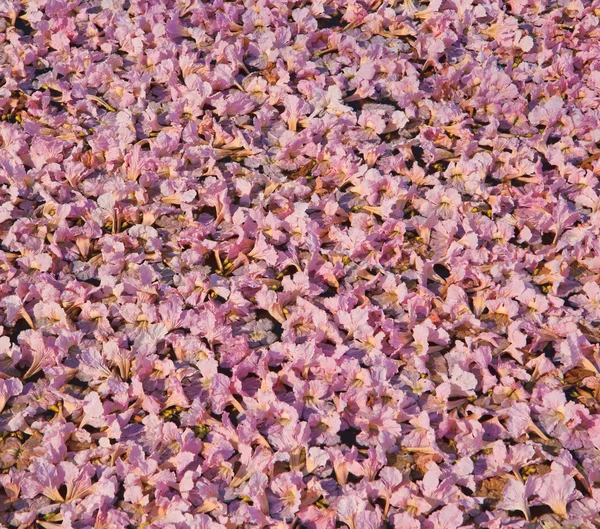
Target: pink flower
x=318 y=518
x=555 y=490
x=390 y=488
x=372 y=121
x=288 y=489
x=10 y=387
x=405 y=520
x=295 y=109
x=448 y=517
x=325 y=428
x=590 y=302
x=519 y=421
x=515 y=496
x=49 y=315
x=15 y=310
x=47 y=479
x=441 y=202
x=422 y=434
x=378 y=426
x=236 y=104
x=348 y=509
x=251 y=462
x=548 y=112
x=40 y=350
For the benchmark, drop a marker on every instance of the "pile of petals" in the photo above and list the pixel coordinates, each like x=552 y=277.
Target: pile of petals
x=306 y=264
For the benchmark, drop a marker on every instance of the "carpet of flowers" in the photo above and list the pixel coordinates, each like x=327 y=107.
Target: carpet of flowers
x=299 y=264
